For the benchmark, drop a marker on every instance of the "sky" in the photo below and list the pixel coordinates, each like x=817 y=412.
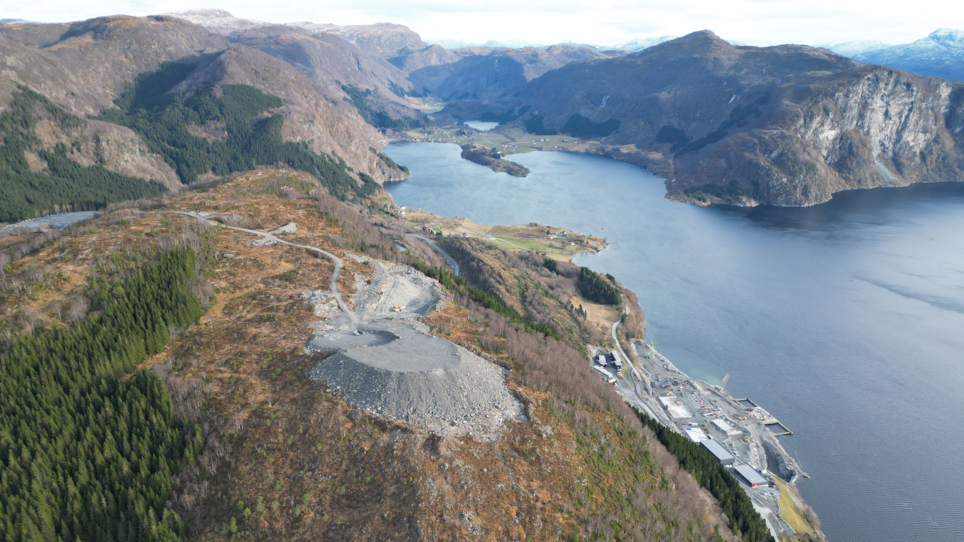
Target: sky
x=759 y=22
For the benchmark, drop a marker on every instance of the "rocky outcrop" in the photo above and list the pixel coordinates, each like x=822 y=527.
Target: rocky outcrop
x=776 y=462
x=786 y=125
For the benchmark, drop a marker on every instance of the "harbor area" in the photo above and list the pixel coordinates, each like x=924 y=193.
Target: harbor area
x=741 y=434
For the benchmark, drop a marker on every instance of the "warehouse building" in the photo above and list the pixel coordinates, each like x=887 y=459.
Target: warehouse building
x=719 y=452
x=750 y=476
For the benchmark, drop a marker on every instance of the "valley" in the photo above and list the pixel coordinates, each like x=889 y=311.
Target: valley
x=267 y=281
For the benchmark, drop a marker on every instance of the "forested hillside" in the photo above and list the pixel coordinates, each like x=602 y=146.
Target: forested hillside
x=35 y=181
x=715 y=478
x=238 y=137
x=85 y=452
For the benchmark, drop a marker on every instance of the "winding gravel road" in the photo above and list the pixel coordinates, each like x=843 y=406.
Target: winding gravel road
x=333 y=288
x=452 y=262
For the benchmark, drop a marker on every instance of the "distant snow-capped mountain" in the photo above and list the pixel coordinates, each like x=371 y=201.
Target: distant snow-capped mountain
x=851 y=48
x=633 y=45
x=640 y=44
x=941 y=54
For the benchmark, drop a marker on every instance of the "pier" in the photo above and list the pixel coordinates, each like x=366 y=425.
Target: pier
x=786 y=430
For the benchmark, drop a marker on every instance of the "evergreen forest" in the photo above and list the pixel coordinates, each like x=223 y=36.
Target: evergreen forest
x=597 y=289
x=163 y=120
x=87 y=450
x=64 y=185
x=714 y=477
x=361 y=99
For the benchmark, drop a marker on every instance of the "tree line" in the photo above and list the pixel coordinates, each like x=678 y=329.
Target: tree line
x=85 y=452
x=716 y=479
x=458 y=286
x=63 y=185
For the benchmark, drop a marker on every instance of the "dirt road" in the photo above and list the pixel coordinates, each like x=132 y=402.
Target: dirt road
x=333 y=288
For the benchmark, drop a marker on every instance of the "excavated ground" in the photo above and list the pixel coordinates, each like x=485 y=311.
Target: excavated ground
x=390 y=365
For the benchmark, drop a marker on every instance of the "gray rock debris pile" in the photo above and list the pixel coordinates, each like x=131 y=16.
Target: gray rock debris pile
x=290 y=227
x=397 y=370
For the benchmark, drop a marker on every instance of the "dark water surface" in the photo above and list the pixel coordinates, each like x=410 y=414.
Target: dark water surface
x=844 y=320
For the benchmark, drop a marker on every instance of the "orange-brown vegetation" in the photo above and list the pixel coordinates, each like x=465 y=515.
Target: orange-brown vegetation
x=287 y=458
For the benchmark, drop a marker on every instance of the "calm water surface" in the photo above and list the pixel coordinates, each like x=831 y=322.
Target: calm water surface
x=59 y=221
x=845 y=320
x=480 y=125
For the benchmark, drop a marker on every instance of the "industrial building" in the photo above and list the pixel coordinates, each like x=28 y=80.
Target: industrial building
x=617 y=360
x=750 y=476
x=719 y=452
x=695 y=434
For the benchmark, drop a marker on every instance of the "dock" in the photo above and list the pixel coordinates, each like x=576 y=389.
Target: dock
x=786 y=431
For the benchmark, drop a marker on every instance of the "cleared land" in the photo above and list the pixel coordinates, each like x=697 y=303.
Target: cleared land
x=507 y=139
x=388 y=364
x=557 y=243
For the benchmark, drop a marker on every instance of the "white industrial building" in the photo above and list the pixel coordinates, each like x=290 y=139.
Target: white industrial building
x=719 y=452
x=750 y=476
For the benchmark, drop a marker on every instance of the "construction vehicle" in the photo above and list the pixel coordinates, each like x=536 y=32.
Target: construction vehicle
x=398 y=308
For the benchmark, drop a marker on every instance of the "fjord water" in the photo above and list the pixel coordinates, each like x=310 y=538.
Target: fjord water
x=482 y=126
x=844 y=320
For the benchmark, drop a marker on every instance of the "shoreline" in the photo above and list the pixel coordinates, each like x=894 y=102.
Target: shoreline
x=702 y=411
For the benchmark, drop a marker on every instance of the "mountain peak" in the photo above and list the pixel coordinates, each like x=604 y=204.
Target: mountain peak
x=700 y=42
x=948 y=36
x=702 y=38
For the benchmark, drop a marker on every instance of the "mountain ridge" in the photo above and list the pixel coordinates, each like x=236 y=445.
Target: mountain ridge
x=939 y=54
x=782 y=125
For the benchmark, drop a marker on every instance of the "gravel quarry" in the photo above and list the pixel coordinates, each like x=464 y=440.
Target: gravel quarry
x=397 y=370
x=388 y=363
x=383 y=360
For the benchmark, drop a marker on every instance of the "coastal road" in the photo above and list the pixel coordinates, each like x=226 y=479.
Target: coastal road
x=333 y=287
x=615 y=324
x=452 y=262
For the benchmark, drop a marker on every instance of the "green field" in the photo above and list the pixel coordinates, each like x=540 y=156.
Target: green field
x=495 y=138
x=517 y=237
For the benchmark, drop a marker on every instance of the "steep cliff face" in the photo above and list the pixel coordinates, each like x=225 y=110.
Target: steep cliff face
x=786 y=125
x=872 y=128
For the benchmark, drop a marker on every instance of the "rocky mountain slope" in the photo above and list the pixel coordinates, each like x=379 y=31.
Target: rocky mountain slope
x=276 y=454
x=787 y=125
x=85 y=67
x=483 y=73
x=940 y=54
x=330 y=63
